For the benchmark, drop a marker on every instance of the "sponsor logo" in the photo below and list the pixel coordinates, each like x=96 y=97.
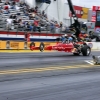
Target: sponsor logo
x=57 y=48
x=97 y=29
x=96 y=7
x=90 y=45
x=94 y=13
x=79 y=12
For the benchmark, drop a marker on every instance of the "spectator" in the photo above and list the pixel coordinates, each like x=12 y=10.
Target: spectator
x=63 y=29
x=36 y=25
x=61 y=25
x=14 y=16
x=7 y=2
x=1 y=12
x=9 y=22
x=43 y=13
x=56 y=24
x=52 y=27
x=32 y=16
x=6 y=11
x=7 y=5
x=31 y=13
x=0 y=7
x=15 y=21
x=17 y=10
x=22 y=4
x=36 y=9
x=13 y=5
x=16 y=0
x=26 y=13
x=32 y=10
x=0 y=1
x=21 y=26
x=29 y=27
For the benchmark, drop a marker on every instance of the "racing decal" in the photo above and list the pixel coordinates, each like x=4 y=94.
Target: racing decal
x=90 y=45
x=56 y=48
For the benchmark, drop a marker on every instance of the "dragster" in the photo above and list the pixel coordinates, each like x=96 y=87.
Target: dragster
x=77 y=47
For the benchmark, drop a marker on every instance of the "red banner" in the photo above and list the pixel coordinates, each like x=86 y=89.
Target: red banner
x=94 y=9
x=81 y=12
x=78 y=11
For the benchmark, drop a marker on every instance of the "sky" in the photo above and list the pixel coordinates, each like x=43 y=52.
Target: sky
x=86 y=3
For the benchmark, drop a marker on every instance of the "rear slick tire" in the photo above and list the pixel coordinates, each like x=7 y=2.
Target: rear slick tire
x=86 y=50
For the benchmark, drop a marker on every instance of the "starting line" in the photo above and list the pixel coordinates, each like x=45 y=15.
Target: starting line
x=89 y=62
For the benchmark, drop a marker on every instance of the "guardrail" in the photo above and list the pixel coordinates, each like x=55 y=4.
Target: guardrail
x=21 y=35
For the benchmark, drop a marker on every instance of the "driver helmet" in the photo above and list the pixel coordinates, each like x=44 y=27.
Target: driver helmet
x=64 y=35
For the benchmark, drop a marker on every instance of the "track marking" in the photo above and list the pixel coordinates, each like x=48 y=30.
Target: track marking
x=89 y=62
x=19 y=71
x=23 y=51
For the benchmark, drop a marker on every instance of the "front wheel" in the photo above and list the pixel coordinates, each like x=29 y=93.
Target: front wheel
x=42 y=47
x=86 y=50
x=32 y=45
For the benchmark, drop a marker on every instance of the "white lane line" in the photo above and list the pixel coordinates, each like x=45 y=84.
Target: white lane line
x=89 y=62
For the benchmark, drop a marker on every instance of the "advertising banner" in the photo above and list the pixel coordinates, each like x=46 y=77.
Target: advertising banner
x=97 y=29
x=16 y=45
x=85 y=13
x=96 y=17
x=81 y=12
x=94 y=11
x=2 y=44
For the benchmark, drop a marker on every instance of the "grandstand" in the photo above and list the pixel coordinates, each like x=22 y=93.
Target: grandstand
x=19 y=20
x=18 y=16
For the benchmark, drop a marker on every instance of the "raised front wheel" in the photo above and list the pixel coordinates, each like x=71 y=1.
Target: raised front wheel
x=41 y=47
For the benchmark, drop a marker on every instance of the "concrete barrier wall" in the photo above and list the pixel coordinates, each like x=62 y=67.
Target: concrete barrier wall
x=5 y=45
x=16 y=45
x=95 y=45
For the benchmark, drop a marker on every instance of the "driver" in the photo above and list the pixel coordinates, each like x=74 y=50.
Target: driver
x=70 y=39
x=64 y=37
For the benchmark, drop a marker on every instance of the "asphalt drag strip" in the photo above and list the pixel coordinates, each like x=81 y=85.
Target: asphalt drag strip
x=26 y=65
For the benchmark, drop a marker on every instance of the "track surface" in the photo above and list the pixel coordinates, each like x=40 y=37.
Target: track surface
x=70 y=84
x=71 y=87
x=34 y=60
